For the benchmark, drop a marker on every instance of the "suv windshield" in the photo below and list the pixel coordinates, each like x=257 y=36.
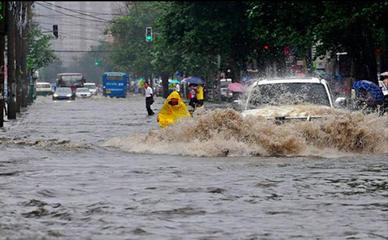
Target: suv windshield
x=73 y=78
x=90 y=86
x=288 y=94
x=82 y=90
x=64 y=90
x=43 y=85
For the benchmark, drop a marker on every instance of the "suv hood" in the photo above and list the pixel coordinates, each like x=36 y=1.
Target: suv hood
x=289 y=111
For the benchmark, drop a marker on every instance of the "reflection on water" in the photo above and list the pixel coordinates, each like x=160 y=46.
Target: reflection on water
x=57 y=183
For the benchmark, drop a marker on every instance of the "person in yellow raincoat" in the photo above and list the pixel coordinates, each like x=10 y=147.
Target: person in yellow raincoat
x=173 y=108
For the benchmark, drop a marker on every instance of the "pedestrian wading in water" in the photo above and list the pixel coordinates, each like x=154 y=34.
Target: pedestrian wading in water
x=149 y=98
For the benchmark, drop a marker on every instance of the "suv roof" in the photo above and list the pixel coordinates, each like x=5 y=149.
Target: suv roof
x=289 y=80
x=296 y=80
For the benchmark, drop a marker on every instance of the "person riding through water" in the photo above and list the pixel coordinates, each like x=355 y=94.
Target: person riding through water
x=173 y=109
x=368 y=94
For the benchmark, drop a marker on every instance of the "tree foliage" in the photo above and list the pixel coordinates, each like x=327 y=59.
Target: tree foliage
x=200 y=31
x=130 y=52
x=40 y=53
x=356 y=27
x=188 y=36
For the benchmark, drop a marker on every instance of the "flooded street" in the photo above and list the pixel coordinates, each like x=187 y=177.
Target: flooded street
x=59 y=179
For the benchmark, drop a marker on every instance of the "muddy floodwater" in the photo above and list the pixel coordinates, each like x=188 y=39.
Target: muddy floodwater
x=99 y=168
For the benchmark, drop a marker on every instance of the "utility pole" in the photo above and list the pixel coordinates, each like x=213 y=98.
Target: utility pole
x=24 y=46
x=11 y=27
x=30 y=81
x=18 y=58
x=3 y=32
x=218 y=96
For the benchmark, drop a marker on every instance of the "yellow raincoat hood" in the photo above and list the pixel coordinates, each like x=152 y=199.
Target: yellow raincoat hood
x=168 y=114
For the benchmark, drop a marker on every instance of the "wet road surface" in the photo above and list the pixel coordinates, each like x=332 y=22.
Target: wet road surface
x=57 y=182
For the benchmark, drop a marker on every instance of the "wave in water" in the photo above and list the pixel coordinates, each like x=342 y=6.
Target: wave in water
x=226 y=133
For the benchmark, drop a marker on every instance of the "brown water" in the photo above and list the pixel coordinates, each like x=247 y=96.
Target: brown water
x=298 y=180
x=224 y=132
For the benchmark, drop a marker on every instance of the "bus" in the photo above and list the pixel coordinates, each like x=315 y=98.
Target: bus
x=114 y=84
x=72 y=80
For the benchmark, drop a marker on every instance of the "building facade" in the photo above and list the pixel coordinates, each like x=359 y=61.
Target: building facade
x=80 y=24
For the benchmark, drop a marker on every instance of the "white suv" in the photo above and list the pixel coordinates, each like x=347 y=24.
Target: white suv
x=92 y=88
x=289 y=98
x=43 y=88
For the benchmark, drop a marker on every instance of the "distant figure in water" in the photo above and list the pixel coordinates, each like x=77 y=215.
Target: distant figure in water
x=192 y=96
x=173 y=108
x=369 y=93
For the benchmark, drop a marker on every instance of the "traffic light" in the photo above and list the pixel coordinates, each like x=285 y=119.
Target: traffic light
x=98 y=62
x=266 y=46
x=55 y=31
x=148 y=35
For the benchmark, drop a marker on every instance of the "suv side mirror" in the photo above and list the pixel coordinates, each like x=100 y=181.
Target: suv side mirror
x=340 y=102
x=237 y=104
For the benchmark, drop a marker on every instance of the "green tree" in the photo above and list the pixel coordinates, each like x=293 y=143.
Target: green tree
x=40 y=53
x=131 y=52
x=86 y=64
x=200 y=31
x=49 y=73
x=356 y=27
x=281 y=24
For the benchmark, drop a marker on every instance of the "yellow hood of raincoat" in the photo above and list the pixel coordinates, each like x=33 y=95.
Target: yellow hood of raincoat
x=169 y=114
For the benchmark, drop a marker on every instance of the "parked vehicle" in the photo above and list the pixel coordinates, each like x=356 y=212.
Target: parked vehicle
x=83 y=93
x=63 y=93
x=43 y=89
x=287 y=99
x=92 y=88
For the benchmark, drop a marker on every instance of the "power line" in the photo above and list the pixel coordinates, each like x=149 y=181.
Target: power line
x=75 y=11
x=47 y=5
x=79 y=51
x=75 y=37
x=86 y=30
x=71 y=21
x=66 y=14
x=74 y=16
x=88 y=12
x=63 y=24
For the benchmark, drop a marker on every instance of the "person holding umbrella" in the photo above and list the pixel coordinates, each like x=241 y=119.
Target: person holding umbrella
x=199 y=91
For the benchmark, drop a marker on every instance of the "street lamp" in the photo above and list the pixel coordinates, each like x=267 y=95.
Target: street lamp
x=340 y=54
x=338 y=60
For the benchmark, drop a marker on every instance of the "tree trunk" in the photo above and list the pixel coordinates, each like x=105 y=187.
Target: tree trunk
x=164 y=77
x=11 y=27
x=2 y=48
